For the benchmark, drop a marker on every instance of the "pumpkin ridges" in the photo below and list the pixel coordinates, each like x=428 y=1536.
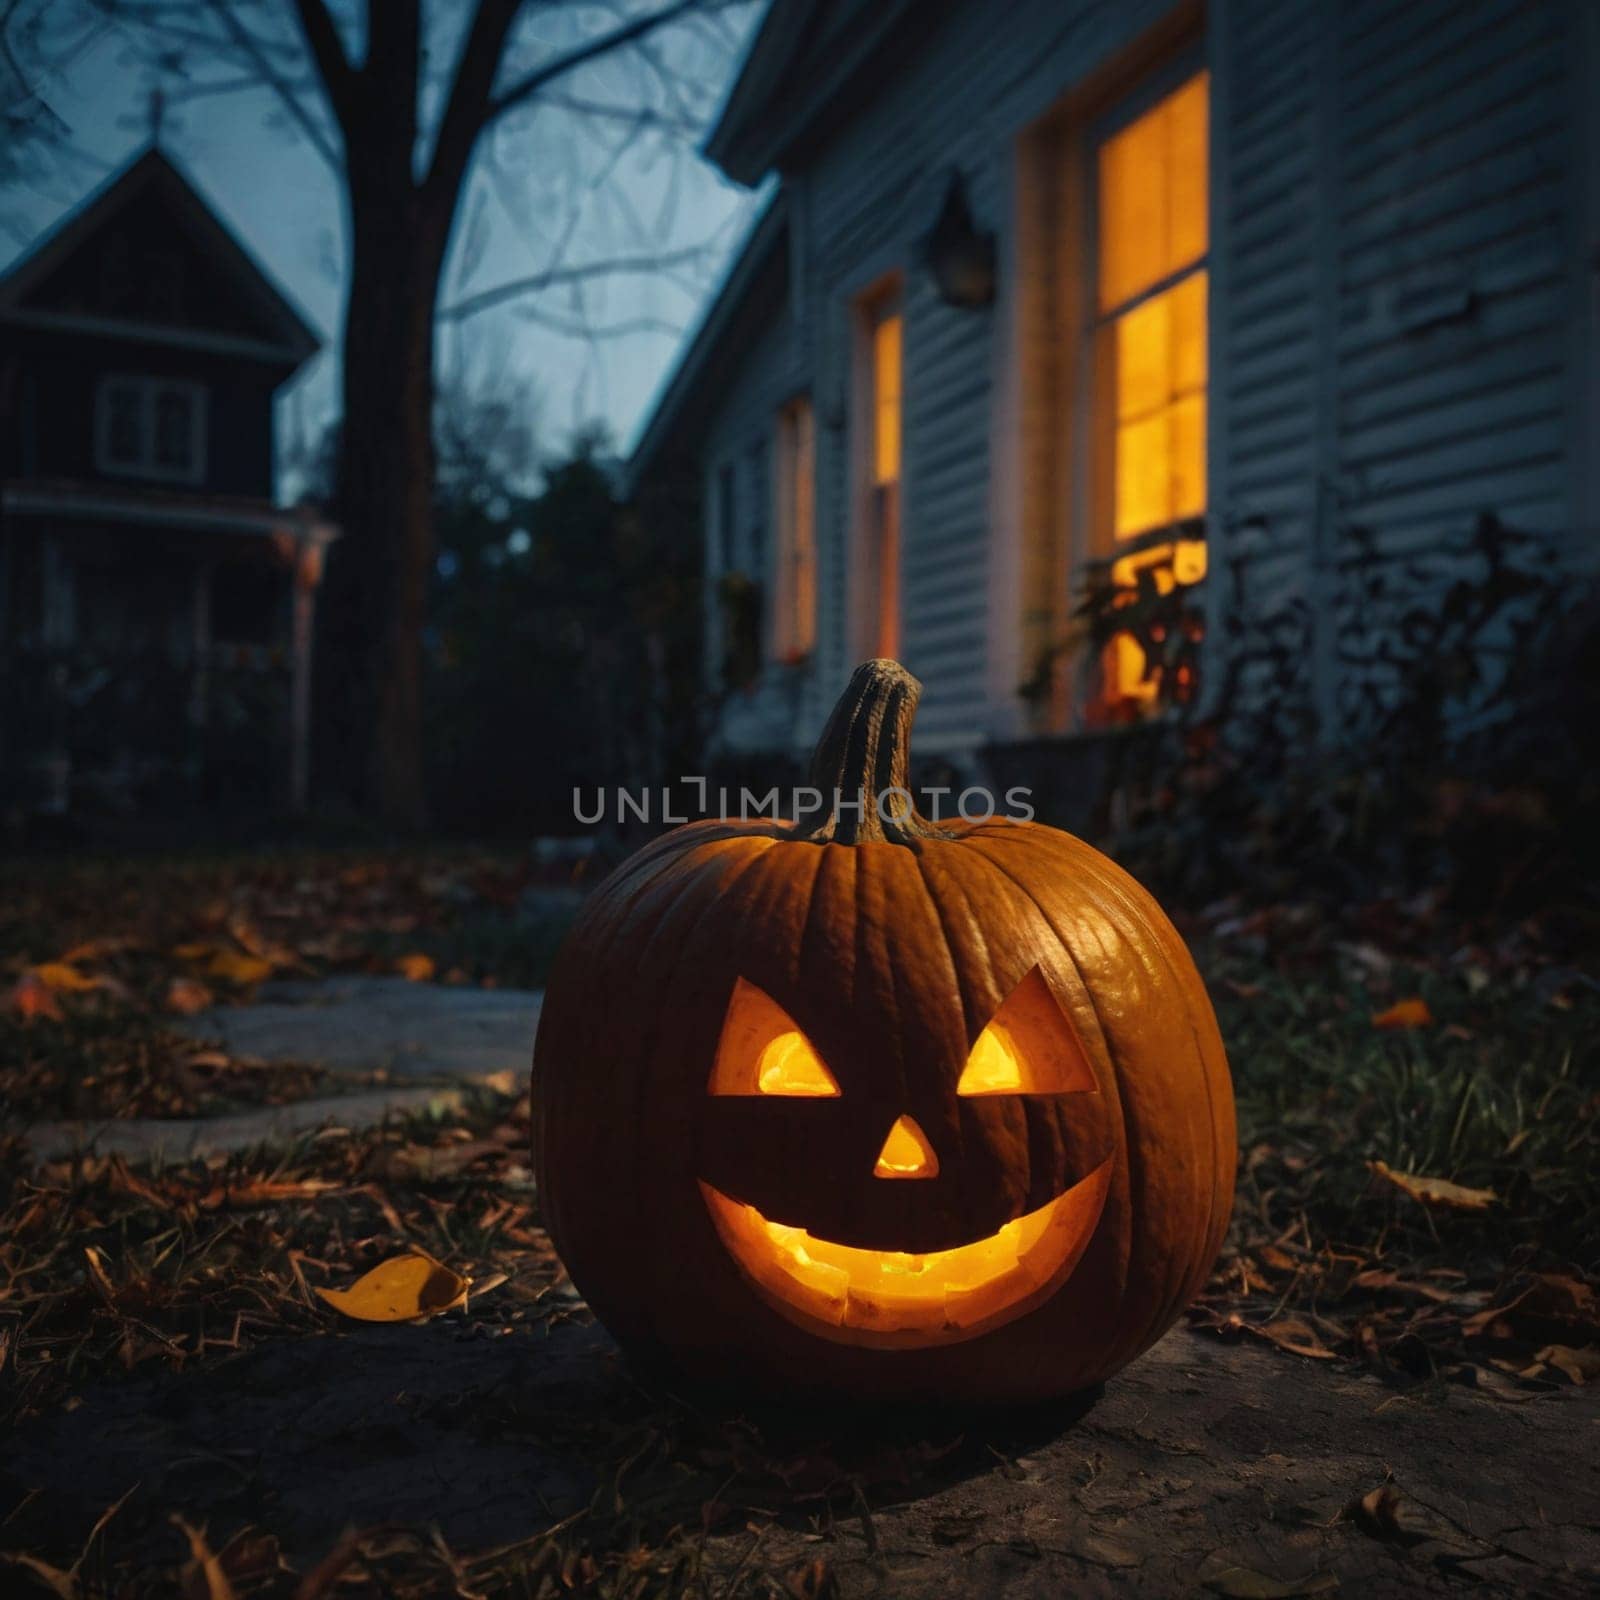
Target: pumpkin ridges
x=1151 y=1177
x=1209 y=1047
x=627 y=1169
x=941 y=870
x=1139 y=906
x=1124 y=1187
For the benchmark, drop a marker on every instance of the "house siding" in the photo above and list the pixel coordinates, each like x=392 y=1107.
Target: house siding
x=1398 y=249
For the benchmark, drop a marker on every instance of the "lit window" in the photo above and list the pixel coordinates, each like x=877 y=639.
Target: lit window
x=1150 y=336
x=151 y=428
x=795 y=613
x=886 y=328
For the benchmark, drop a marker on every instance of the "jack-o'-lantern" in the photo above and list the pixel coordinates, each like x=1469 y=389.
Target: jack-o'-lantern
x=880 y=1105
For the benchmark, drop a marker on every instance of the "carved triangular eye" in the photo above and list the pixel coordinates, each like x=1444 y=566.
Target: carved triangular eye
x=762 y=1051
x=1028 y=1047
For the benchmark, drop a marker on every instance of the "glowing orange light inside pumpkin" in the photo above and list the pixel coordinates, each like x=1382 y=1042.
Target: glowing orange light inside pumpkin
x=763 y=1052
x=893 y=1297
x=906 y=1153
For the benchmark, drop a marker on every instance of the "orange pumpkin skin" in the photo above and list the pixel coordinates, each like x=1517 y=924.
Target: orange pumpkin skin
x=891 y=953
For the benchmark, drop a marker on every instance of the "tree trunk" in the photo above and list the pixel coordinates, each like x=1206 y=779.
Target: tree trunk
x=379 y=570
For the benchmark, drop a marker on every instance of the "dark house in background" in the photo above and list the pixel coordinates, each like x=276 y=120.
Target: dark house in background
x=155 y=604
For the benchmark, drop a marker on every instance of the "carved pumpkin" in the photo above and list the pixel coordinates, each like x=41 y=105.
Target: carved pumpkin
x=881 y=1106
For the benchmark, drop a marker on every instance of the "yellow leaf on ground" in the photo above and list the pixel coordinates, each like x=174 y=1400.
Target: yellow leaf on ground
x=232 y=966
x=407 y=1288
x=194 y=950
x=64 y=978
x=187 y=996
x=1409 y=1013
x=416 y=967
x=1438 y=1192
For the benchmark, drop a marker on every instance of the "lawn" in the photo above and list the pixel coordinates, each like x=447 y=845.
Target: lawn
x=1419 y=1197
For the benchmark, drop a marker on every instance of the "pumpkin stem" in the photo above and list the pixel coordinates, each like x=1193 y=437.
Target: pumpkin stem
x=862 y=763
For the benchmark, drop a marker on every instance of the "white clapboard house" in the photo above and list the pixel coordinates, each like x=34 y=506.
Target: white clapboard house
x=1047 y=283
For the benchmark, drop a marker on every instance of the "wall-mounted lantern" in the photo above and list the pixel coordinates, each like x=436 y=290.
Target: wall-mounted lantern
x=960 y=259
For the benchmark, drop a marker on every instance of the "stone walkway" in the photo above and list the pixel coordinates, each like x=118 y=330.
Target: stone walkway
x=430 y=1039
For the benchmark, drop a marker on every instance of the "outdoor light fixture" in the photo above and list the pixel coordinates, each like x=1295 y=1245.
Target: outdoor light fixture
x=960 y=259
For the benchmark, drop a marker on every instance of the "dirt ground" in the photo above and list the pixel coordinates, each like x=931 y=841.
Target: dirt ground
x=1206 y=1467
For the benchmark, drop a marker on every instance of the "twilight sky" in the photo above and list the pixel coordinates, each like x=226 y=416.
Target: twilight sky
x=548 y=188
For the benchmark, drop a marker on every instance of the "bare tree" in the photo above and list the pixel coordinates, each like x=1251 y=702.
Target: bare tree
x=359 y=85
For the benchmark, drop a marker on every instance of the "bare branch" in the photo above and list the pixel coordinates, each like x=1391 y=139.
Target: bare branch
x=280 y=86
x=466 y=112
x=558 y=66
x=322 y=39
x=486 y=299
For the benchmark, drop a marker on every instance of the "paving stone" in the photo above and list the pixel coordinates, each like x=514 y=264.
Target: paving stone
x=169 y=1139
x=358 y=1025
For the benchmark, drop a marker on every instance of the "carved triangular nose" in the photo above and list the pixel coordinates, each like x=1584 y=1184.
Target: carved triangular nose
x=906 y=1153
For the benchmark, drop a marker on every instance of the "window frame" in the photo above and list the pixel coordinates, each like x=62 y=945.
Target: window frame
x=794 y=566
x=1095 y=510
x=147 y=464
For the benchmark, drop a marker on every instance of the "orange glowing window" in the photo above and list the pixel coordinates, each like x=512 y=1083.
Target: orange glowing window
x=1150 y=336
x=886 y=344
x=795 y=613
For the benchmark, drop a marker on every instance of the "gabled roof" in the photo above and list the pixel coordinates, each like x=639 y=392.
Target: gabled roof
x=804 y=55
x=152 y=176
x=755 y=282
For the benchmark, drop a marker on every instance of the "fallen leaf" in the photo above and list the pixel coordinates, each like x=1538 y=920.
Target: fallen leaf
x=1386 y=1513
x=98 y=1275
x=1552 y=1309
x=234 y=966
x=97 y=949
x=1437 y=1192
x=64 y=978
x=1408 y=1013
x=416 y=967
x=33 y=998
x=408 y=1288
x=1295 y=1336
x=186 y=996
x=1581 y=1366
x=1222 y=1576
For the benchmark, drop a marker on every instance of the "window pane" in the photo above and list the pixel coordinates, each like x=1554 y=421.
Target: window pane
x=1188 y=301
x=174 y=428
x=1144 y=358
x=1160 y=391
x=1133 y=198
x=886 y=509
x=1144 y=482
x=886 y=352
x=794 y=621
x=1188 y=457
x=124 y=443
x=1187 y=131
x=1153 y=194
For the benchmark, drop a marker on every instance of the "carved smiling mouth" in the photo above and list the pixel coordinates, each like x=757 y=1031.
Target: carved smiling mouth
x=891 y=1297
